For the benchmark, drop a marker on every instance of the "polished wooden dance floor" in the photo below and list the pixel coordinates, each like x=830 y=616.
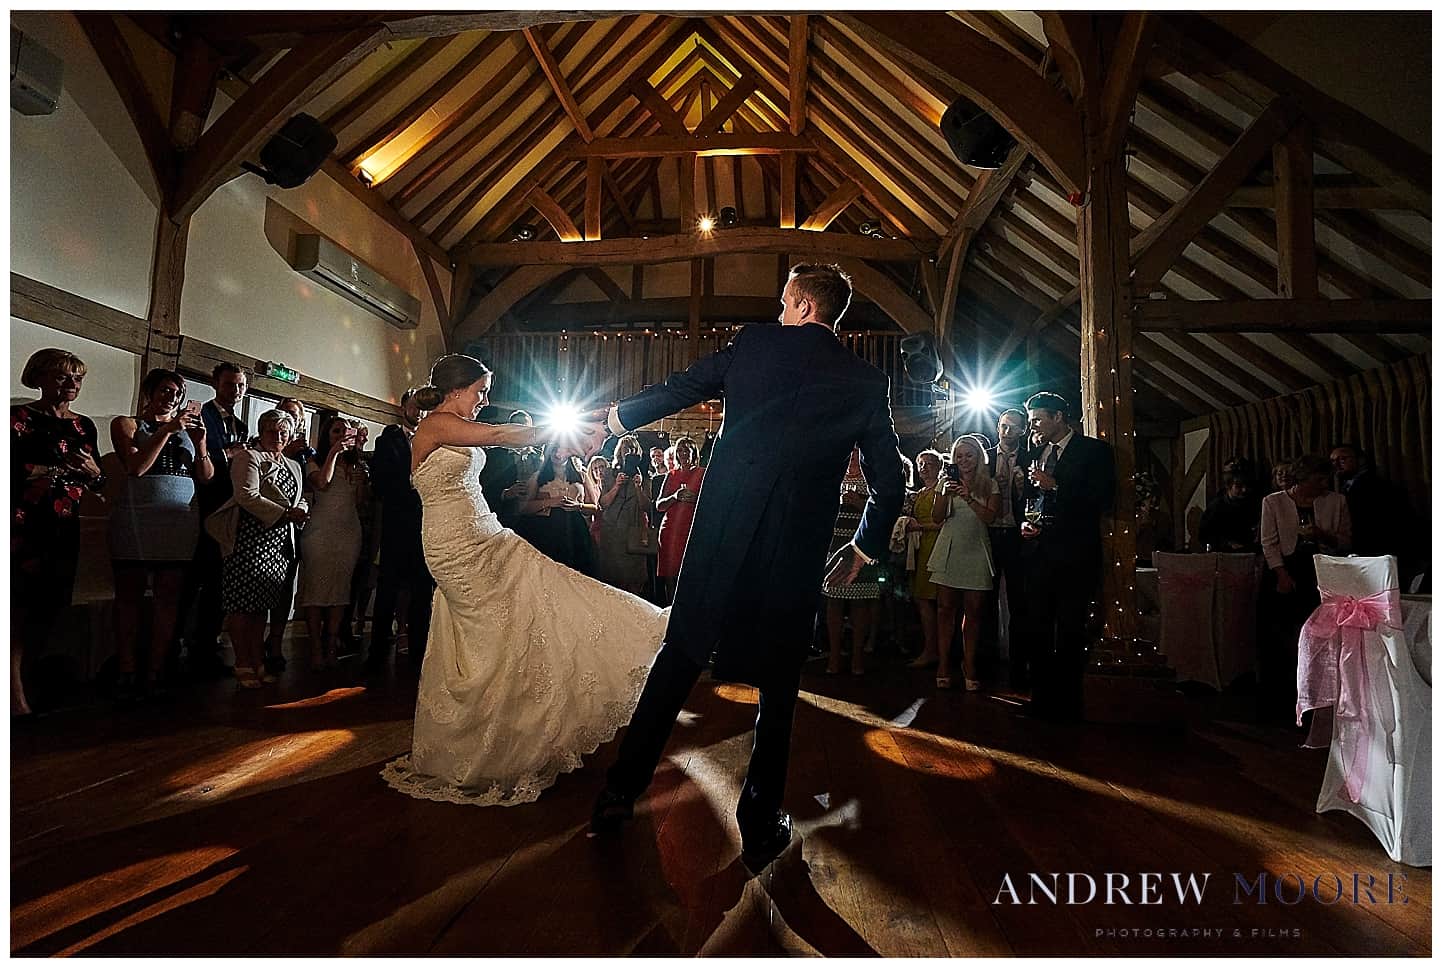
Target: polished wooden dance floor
x=256 y=824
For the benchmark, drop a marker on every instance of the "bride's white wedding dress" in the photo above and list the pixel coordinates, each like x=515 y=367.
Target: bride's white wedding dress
x=530 y=665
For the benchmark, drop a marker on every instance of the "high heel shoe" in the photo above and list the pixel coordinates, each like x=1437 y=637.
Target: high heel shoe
x=245 y=678
x=973 y=685
x=943 y=682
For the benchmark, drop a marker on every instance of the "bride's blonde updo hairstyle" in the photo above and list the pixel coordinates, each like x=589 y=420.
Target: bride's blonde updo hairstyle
x=453 y=371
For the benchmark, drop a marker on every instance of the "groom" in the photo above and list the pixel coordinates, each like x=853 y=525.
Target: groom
x=797 y=400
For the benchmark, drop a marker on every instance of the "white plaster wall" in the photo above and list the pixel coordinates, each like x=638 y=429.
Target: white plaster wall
x=112 y=376
x=78 y=220
x=241 y=293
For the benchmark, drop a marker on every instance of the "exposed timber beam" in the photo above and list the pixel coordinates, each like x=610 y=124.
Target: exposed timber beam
x=723 y=109
x=1361 y=144
x=552 y=70
x=660 y=108
x=1033 y=111
x=1155 y=248
x=247 y=124
x=1296 y=229
x=553 y=213
x=832 y=206
x=659 y=146
x=1323 y=197
x=1124 y=74
x=691 y=245
x=496 y=303
x=1287 y=316
x=119 y=63
x=800 y=60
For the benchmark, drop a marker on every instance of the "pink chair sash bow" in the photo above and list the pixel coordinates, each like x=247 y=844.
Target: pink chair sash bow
x=1332 y=671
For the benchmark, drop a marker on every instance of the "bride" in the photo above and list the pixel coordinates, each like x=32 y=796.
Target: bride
x=530 y=665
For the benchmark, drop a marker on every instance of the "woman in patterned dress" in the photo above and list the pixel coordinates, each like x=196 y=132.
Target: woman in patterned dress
x=53 y=461
x=331 y=544
x=863 y=593
x=265 y=508
x=961 y=563
x=156 y=521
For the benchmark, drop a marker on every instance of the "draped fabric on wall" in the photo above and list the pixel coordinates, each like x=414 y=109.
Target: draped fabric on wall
x=1386 y=411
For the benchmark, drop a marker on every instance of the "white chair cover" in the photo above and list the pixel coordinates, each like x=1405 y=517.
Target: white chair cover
x=1187 y=584
x=1394 y=796
x=1239 y=577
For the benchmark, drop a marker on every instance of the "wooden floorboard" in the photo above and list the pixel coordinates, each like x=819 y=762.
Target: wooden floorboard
x=227 y=823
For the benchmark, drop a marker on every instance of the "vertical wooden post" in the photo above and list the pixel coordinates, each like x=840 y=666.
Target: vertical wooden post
x=686 y=185
x=1103 y=238
x=694 y=314
x=1296 y=233
x=595 y=172
x=167 y=279
x=788 y=190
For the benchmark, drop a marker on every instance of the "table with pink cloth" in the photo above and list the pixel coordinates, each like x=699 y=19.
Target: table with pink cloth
x=1207 y=604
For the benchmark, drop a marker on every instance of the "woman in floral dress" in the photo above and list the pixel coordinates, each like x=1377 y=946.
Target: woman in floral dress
x=54 y=459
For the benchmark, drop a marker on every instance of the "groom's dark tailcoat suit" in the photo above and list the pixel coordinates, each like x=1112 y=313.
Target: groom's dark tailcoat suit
x=797 y=401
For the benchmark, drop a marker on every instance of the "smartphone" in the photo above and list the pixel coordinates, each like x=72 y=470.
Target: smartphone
x=192 y=408
x=631 y=465
x=953 y=473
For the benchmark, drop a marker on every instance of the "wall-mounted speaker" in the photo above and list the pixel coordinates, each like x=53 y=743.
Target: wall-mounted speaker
x=295 y=152
x=975 y=137
x=919 y=358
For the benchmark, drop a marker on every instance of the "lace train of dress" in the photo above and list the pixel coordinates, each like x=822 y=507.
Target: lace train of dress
x=529 y=665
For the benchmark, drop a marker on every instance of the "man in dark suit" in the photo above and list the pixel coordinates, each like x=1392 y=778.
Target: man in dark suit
x=797 y=401
x=1008 y=462
x=1071 y=484
x=403 y=562
x=225 y=436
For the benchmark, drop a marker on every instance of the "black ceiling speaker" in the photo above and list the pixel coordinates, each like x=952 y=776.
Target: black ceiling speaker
x=919 y=358
x=975 y=137
x=295 y=152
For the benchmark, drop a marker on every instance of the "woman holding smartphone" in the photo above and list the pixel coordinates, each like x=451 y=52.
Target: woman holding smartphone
x=330 y=545
x=961 y=563
x=156 y=521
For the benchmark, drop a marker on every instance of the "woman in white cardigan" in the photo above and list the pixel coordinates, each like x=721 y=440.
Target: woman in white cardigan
x=256 y=533
x=1303 y=520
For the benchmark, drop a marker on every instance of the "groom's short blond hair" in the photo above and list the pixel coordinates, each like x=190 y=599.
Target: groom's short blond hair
x=827 y=287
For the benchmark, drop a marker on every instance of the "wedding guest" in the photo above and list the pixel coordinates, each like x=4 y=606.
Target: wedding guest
x=156 y=523
x=1304 y=520
x=255 y=530
x=1071 y=484
x=331 y=543
x=1230 y=522
x=859 y=597
x=53 y=461
x=595 y=483
x=1381 y=515
x=961 y=564
x=677 y=505
x=402 y=561
x=1282 y=474
x=300 y=451
x=655 y=586
x=623 y=514
x=226 y=435
x=556 y=503
x=1006 y=463
x=921 y=504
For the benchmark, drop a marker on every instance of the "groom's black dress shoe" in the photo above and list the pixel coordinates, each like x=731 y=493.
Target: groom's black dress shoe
x=760 y=848
x=612 y=809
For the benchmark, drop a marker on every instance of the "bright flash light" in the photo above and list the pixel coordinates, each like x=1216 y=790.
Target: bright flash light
x=564 y=417
x=979 y=399
x=706 y=223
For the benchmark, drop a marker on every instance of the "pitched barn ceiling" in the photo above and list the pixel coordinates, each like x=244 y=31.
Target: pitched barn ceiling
x=463 y=136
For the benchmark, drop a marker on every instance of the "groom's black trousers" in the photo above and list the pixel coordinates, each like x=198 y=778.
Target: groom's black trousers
x=667 y=687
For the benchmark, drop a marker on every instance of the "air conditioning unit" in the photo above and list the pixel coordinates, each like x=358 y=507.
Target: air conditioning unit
x=34 y=76
x=321 y=260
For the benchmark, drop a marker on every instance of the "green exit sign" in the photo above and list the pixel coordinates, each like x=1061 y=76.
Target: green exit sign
x=279 y=371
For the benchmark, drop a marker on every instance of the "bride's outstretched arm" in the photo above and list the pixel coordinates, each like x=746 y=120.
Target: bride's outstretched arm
x=448 y=429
